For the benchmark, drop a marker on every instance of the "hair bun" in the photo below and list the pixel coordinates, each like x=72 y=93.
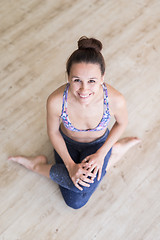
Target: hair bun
x=93 y=43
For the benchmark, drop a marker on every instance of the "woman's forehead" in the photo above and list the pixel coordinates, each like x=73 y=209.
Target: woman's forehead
x=85 y=69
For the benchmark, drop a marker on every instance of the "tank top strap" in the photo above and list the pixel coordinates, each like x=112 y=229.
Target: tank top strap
x=106 y=102
x=65 y=96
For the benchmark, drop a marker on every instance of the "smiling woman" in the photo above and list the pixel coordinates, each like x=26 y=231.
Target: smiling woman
x=82 y=142
x=86 y=93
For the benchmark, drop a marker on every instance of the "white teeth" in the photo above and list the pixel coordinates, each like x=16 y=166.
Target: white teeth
x=84 y=96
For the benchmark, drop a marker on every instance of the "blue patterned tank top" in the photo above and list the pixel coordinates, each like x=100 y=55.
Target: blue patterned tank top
x=104 y=121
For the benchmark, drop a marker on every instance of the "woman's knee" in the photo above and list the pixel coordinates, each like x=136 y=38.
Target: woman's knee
x=75 y=200
x=75 y=204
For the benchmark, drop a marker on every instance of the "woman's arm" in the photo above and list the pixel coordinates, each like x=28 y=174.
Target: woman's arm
x=53 y=122
x=119 y=110
x=54 y=104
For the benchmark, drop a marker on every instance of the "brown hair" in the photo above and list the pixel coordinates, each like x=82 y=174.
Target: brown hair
x=89 y=52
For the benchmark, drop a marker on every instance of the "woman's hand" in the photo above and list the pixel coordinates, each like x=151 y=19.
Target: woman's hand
x=94 y=164
x=79 y=175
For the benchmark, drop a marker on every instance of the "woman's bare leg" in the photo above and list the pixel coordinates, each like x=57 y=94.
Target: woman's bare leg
x=36 y=164
x=120 y=148
x=39 y=164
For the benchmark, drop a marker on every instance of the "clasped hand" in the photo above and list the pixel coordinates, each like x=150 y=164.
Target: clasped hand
x=85 y=172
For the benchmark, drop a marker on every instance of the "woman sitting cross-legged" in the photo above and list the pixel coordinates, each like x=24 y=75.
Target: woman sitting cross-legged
x=84 y=147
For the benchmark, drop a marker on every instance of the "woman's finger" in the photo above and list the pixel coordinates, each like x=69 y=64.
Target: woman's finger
x=86 y=172
x=83 y=183
x=85 y=159
x=95 y=170
x=86 y=179
x=89 y=173
x=85 y=165
x=92 y=168
x=99 y=174
x=77 y=186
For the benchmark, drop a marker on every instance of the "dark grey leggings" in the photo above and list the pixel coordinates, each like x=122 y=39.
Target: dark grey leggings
x=58 y=172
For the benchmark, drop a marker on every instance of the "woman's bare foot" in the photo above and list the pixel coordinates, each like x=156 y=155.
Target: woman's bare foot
x=120 y=148
x=29 y=162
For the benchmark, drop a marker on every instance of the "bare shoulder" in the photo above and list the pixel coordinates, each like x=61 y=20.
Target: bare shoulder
x=55 y=100
x=116 y=99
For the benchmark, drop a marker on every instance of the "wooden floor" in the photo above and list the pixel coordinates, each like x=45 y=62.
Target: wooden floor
x=36 y=38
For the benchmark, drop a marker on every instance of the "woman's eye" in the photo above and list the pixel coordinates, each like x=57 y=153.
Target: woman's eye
x=92 y=81
x=76 y=80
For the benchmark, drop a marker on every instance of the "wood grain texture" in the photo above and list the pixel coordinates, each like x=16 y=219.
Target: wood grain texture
x=36 y=38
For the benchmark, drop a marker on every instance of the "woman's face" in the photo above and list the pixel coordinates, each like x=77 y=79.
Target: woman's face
x=85 y=81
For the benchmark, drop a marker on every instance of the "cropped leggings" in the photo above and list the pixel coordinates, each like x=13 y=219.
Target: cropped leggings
x=74 y=197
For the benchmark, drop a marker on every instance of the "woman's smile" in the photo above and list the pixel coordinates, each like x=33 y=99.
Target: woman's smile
x=84 y=96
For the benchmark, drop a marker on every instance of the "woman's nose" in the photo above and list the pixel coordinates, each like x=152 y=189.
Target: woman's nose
x=84 y=86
